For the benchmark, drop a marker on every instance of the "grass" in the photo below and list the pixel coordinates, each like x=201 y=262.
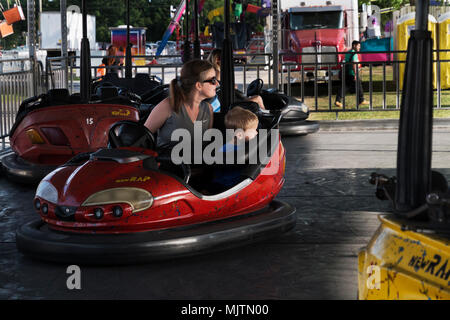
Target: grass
x=377 y=101
x=377 y=73
x=366 y=115
x=382 y=108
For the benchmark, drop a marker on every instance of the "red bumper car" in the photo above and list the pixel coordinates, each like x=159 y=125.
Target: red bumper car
x=52 y=128
x=129 y=204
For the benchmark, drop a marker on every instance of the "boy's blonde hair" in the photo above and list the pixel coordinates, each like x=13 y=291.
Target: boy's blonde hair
x=240 y=118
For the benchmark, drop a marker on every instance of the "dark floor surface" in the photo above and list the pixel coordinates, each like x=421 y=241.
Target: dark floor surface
x=326 y=180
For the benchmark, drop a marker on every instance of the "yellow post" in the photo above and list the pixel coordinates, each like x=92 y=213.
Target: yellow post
x=404 y=26
x=444 y=44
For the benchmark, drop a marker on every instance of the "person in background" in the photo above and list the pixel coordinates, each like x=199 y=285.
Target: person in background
x=111 y=61
x=121 y=53
x=214 y=59
x=352 y=75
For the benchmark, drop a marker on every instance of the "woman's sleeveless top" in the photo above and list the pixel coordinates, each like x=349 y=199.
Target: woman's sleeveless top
x=182 y=120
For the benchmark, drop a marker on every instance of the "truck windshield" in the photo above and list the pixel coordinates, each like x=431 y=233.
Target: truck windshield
x=317 y=20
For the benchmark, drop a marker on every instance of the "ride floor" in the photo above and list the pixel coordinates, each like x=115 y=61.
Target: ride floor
x=327 y=177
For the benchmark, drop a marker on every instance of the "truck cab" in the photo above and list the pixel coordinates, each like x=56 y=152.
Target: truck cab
x=314 y=34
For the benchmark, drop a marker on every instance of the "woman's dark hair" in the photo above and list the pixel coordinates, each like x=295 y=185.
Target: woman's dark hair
x=191 y=73
x=214 y=55
x=112 y=52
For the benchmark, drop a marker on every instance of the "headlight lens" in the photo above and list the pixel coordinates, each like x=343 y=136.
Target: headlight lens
x=47 y=191
x=138 y=199
x=305 y=109
x=302 y=106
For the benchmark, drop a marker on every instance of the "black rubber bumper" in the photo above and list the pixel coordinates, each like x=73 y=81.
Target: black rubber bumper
x=22 y=171
x=36 y=240
x=301 y=127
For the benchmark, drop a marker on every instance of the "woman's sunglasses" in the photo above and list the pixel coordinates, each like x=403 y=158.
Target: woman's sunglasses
x=213 y=81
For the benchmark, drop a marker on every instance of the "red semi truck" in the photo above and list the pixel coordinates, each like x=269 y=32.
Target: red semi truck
x=312 y=28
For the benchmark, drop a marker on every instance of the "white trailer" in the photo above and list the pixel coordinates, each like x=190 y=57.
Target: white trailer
x=50 y=31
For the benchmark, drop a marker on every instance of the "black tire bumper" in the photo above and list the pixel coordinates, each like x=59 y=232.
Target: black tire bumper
x=300 y=127
x=19 y=170
x=36 y=240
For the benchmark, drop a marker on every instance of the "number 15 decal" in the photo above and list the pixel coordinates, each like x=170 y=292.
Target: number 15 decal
x=90 y=121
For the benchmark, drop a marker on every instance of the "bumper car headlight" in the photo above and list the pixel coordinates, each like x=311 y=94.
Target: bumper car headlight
x=138 y=199
x=47 y=191
x=305 y=109
x=302 y=106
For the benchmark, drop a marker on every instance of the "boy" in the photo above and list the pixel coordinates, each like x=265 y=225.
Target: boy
x=243 y=122
x=245 y=125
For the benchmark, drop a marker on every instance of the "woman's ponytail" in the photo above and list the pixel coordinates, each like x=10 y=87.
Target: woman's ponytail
x=176 y=95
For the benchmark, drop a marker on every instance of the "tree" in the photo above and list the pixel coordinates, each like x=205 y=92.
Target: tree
x=154 y=15
x=397 y=4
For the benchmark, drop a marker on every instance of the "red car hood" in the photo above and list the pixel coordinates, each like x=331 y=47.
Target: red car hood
x=76 y=183
x=327 y=37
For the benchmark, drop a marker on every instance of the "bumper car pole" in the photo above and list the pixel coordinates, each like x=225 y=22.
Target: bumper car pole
x=416 y=116
x=85 y=73
x=187 y=43
x=128 y=71
x=197 y=54
x=227 y=66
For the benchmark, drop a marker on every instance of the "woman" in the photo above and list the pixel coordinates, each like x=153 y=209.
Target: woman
x=185 y=104
x=111 y=61
x=214 y=58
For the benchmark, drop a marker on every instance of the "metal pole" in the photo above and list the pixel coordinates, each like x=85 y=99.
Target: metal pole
x=275 y=24
x=39 y=23
x=85 y=74
x=438 y=65
x=187 y=44
x=421 y=14
x=197 y=54
x=416 y=119
x=32 y=42
x=63 y=10
x=227 y=67
x=128 y=71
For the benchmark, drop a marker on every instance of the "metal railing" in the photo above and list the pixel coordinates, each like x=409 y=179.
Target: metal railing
x=293 y=75
x=20 y=79
x=167 y=68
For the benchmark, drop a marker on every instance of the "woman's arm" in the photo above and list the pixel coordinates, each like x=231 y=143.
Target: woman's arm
x=258 y=100
x=158 y=116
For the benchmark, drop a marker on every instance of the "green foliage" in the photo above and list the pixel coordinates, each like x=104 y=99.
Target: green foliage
x=385 y=3
x=154 y=15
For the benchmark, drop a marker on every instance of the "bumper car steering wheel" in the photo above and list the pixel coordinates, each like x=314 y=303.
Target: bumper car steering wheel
x=130 y=134
x=255 y=88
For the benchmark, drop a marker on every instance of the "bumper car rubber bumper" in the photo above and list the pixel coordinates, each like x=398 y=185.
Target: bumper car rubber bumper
x=36 y=240
x=20 y=170
x=299 y=127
